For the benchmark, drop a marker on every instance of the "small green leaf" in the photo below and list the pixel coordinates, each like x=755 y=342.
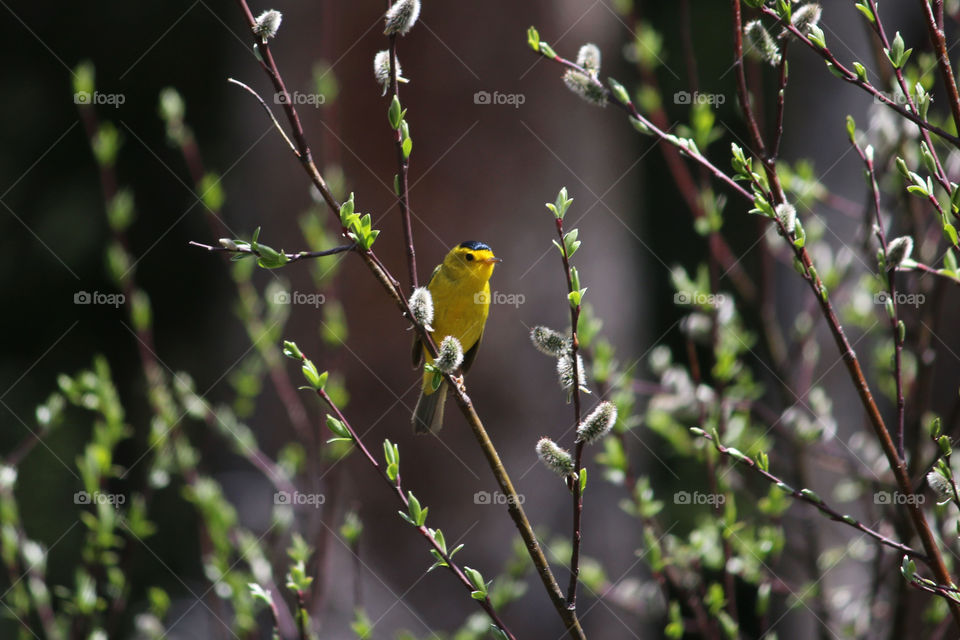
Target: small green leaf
x=533 y=39
x=394 y=113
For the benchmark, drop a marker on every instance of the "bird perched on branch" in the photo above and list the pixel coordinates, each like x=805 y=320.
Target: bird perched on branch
x=460 y=288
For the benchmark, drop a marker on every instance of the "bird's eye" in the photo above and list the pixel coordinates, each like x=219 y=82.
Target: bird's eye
x=469 y=257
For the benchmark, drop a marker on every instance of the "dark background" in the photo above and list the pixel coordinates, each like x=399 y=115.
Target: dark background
x=480 y=172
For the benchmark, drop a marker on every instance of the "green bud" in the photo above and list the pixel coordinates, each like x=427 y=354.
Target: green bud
x=619 y=92
x=533 y=38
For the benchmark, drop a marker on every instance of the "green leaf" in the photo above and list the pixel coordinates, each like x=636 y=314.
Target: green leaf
x=583 y=480
x=338 y=428
x=815 y=35
x=546 y=50
x=864 y=8
x=395 y=113
x=950 y=233
x=533 y=39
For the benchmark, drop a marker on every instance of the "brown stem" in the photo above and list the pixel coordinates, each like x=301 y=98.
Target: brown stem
x=396 y=488
x=939 y=41
x=403 y=163
x=813 y=499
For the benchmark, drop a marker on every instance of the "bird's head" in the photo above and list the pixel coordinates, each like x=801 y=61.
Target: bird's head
x=471 y=259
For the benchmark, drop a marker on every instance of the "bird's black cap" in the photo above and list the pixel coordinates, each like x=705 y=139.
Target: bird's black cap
x=474 y=245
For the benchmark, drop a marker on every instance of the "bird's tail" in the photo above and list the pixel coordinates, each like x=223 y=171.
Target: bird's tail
x=428 y=416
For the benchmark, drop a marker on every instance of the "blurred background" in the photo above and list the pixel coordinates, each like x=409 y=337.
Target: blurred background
x=479 y=171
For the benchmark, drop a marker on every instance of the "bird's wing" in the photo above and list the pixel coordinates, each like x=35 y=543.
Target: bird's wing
x=417 y=353
x=471 y=354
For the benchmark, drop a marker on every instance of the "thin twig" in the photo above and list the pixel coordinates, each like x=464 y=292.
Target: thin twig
x=397 y=490
x=269 y=113
x=291 y=257
x=811 y=498
x=939 y=41
x=403 y=164
x=577 y=533
x=851 y=77
x=890 y=274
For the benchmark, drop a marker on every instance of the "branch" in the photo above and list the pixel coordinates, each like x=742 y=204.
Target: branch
x=575 y=487
x=428 y=534
x=805 y=495
x=244 y=250
x=939 y=41
x=851 y=77
x=890 y=274
x=403 y=162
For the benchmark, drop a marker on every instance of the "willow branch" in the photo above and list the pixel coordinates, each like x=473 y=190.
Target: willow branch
x=403 y=164
x=397 y=490
x=811 y=498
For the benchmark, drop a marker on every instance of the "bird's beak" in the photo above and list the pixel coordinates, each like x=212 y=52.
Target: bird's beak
x=493 y=260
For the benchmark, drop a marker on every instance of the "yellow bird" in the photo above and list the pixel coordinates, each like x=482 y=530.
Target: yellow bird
x=460 y=288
